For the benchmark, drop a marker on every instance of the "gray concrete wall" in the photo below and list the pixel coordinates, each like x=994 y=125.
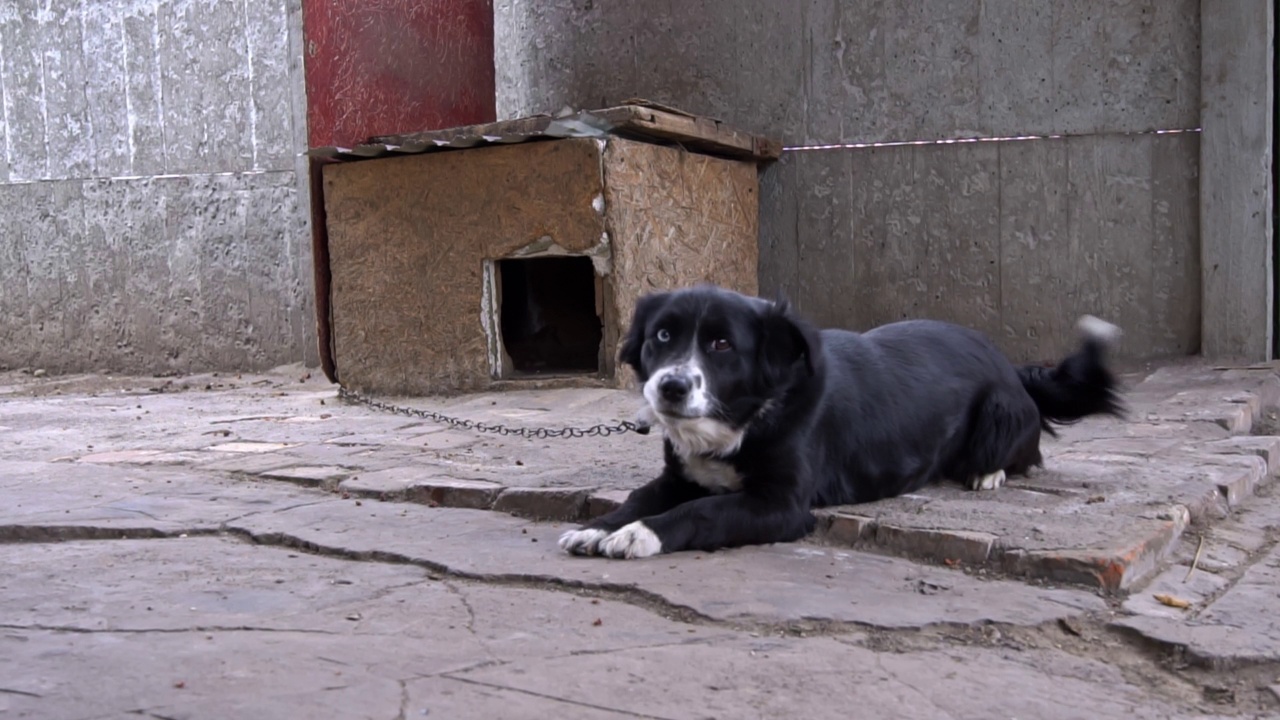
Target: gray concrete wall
x=152 y=191
x=827 y=71
x=1236 y=156
x=1017 y=238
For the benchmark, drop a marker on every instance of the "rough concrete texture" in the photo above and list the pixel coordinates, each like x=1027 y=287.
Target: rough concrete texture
x=1114 y=500
x=1238 y=116
x=1017 y=239
x=1236 y=576
x=156 y=216
x=862 y=71
x=146 y=570
x=1115 y=495
x=212 y=627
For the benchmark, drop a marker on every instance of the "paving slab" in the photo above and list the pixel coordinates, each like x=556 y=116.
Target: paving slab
x=790 y=583
x=772 y=679
x=217 y=628
x=1229 y=621
x=1115 y=496
x=71 y=500
x=225 y=629
x=796 y=583
x=1129 y=510
x=1111 y=505
x=243 y=596
x=214 y=627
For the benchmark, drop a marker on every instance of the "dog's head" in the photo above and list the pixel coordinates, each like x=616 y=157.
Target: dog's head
x=713 y=361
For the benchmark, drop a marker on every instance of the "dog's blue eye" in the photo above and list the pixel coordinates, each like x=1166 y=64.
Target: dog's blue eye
x=663 y=335
x=721 y=345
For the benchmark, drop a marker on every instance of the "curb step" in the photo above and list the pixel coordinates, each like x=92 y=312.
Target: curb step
x=1215 y=442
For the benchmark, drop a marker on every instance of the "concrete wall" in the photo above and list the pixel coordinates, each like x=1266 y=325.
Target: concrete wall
x=152 y=193
x=1237 y=179
x=1017 y=238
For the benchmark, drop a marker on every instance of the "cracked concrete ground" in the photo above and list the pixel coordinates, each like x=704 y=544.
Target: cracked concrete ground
x=193 y=553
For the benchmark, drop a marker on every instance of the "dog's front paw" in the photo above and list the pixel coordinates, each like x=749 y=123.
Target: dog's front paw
x=631 y=541
x=583 y=542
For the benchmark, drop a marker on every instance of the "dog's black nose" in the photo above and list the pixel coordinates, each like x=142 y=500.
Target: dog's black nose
x=675 y=388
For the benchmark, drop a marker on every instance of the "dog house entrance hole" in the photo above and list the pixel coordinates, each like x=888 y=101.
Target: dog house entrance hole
x=549 y=321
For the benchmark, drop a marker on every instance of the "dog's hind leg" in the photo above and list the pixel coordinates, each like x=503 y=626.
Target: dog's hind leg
x=990 y=481
x=1002 y=439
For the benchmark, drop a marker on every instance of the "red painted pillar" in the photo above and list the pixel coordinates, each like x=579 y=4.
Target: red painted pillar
x=382 y=67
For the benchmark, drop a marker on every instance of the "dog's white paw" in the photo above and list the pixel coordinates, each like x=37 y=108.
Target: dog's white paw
x=631 y=541
x=987 y=482
x=583 y=542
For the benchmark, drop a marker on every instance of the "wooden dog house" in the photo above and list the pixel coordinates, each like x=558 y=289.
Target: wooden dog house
x=512 y=254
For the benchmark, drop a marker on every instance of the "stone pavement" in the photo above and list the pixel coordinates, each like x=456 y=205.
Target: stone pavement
x=248 y=546
x=1114 y=500
x=1115 y=496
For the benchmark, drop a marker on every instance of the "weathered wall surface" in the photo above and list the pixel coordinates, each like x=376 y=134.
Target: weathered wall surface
x=1236 y=155
x=153 y=192
x=1016 y=238
x=826 y=71
x=396 y=66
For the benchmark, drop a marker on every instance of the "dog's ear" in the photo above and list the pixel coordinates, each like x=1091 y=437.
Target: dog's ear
x=633 y=343
x=788 y=344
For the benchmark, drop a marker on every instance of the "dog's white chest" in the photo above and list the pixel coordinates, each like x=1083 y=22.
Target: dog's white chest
x=715 y=475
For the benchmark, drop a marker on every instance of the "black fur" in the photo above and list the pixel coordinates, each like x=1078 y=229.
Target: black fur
x=831 y=417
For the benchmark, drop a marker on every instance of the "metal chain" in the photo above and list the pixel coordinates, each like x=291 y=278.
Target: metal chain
x=601 y=430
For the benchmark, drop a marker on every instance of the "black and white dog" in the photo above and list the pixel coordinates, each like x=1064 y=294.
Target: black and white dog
x=765 y=418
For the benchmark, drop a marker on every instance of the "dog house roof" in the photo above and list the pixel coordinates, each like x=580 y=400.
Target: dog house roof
x=636 y=119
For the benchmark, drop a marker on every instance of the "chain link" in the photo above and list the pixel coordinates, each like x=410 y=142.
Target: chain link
x=541 y=433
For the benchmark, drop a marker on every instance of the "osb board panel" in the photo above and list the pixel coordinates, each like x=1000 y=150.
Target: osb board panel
x=407 y=241
x=677 y=219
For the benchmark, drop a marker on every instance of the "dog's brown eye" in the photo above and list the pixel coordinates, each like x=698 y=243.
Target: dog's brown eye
x=721 y=345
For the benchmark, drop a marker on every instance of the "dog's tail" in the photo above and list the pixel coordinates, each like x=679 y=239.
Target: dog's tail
x=1081 y=385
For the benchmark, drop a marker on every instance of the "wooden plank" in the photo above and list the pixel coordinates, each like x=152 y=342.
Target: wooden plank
x=520 y=126
x=641 y=122
x=1236 y=186
x=697 y=133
